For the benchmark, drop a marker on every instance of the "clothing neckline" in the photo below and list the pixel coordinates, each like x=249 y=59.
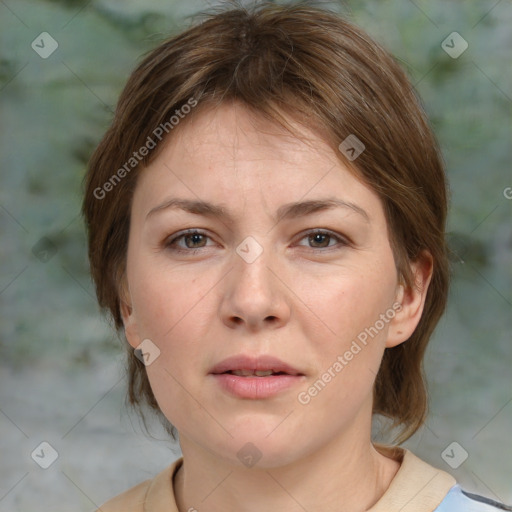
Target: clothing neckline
x=416 y=487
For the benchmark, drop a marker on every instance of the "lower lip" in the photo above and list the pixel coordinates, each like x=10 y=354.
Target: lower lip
x=256 y=387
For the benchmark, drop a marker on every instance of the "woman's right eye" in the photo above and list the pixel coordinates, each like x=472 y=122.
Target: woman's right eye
x=193 y=240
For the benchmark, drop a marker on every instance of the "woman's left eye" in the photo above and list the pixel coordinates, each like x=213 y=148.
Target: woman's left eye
x=323 y=239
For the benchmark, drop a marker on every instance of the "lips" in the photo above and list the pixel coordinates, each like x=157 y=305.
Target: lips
x=254 y=373
x=255 y=378
x=261 y=366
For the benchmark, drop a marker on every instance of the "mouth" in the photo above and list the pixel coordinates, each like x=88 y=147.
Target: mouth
x=249 y=366
x=255 y=373
x=250 y=378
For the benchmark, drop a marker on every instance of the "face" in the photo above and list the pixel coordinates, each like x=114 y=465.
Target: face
x=290 y=260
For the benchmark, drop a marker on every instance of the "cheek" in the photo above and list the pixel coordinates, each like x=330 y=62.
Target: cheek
x=355 y=309
x=166 y=296
x=348 y=302
x=172 y=308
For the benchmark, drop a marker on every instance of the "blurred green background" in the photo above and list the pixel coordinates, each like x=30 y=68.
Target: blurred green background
x=61 y=375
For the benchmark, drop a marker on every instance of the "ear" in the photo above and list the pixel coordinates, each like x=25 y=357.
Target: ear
x=412 y=300
x=128 y=315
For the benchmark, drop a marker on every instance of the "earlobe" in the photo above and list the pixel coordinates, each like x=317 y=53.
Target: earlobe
x=129 y=320
x=412 y=300
x=125 y=310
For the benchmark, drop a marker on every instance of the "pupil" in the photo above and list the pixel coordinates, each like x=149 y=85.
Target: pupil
x=196 y=238
x=317 y=238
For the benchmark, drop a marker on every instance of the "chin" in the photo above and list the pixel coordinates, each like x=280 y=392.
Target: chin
x=257 y=443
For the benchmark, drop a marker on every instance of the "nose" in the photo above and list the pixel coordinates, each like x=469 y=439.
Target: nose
x=255 y=297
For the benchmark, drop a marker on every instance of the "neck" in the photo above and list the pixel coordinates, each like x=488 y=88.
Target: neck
x=346 y=475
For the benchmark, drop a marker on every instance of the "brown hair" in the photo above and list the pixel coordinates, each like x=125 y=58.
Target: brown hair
x=310 y=64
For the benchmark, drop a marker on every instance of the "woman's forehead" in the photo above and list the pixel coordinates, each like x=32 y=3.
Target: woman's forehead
x=226 y=171
x=231 y=127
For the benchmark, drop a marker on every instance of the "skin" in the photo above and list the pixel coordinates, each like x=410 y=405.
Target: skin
x=303 y=300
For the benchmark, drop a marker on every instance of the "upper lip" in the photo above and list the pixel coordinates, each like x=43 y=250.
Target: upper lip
x=261 y=363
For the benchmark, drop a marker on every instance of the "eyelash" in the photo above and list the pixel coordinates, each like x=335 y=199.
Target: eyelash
x=171 y=244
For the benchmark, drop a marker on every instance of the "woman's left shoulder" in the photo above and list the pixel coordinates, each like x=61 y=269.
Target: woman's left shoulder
x=458 y=500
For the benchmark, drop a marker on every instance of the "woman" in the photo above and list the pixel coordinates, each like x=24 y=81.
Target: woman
x=266 y=222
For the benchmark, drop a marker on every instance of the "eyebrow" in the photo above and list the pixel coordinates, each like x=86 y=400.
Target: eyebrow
x=287 y=211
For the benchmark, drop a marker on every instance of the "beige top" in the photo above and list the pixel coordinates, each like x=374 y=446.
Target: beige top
x=416 y=487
